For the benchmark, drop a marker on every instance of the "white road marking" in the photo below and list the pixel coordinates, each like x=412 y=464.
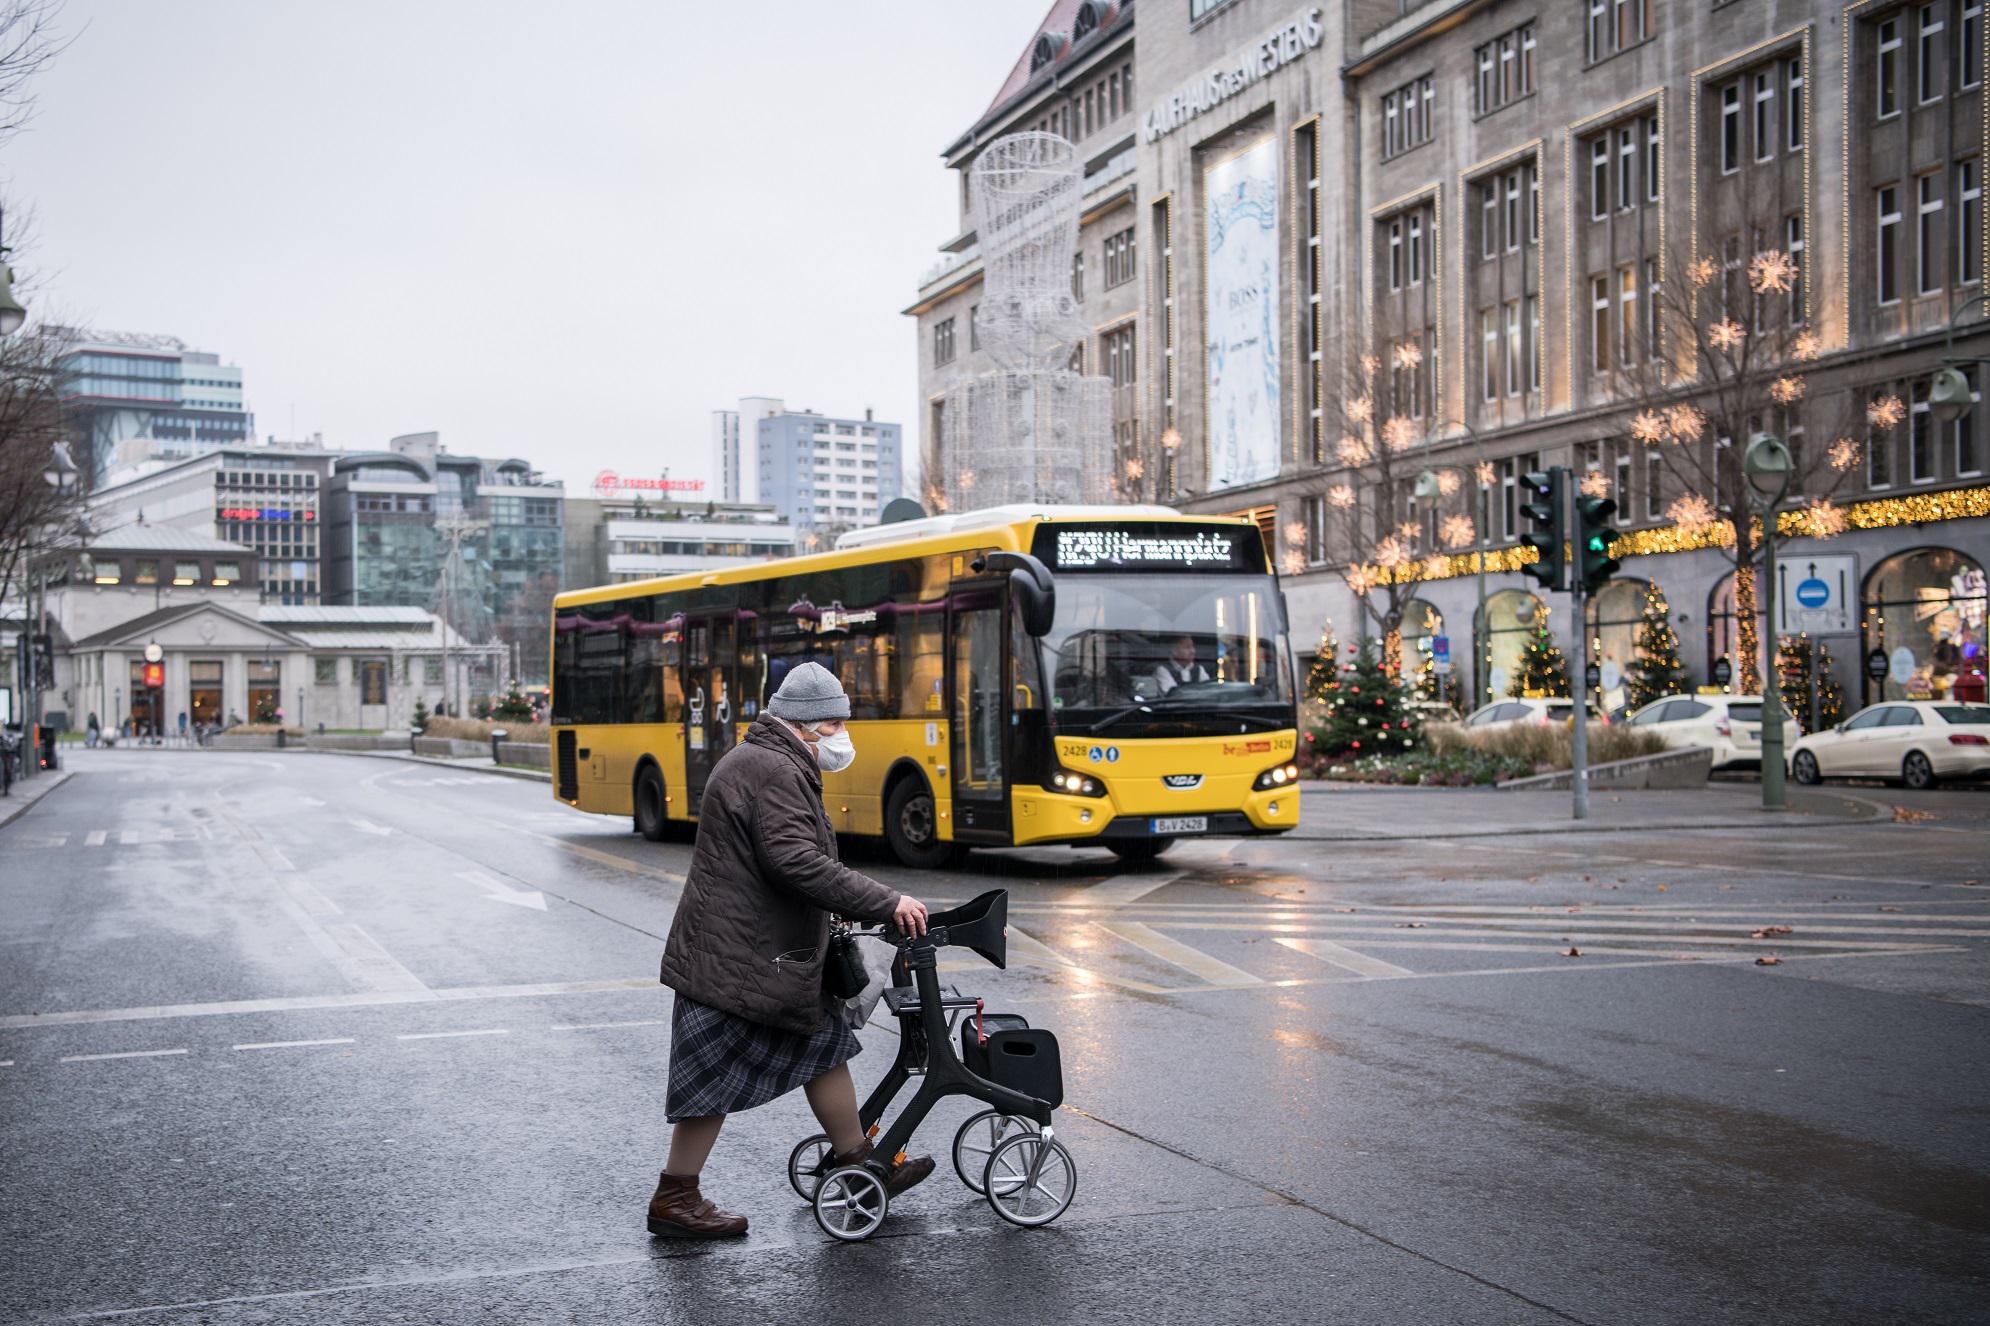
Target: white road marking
x=368 y=826
x=1338 y=955
x=1025 y=947
x=1194 y=960
x=1130 y=889
x=121 y=1054
x=6 y=1063
x=293 y=1045
x=496 y=892
x=95 y=838
x=290 y=1003
x=603 y=1026
x=443 y=1035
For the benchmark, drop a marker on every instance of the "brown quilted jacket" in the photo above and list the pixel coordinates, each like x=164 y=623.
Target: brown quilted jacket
x=753 y=923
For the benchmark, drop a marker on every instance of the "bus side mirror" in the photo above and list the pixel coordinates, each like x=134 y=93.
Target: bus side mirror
x=1029 y=580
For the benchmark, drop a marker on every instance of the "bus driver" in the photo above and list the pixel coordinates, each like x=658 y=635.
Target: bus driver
x=1180 y=666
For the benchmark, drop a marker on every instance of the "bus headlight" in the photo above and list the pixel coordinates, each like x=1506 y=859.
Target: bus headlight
x=1076 y=784
x=1279 y=775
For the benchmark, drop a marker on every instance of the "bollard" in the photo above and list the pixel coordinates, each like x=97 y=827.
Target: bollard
x=497 y=734
x=413 y=734
x=282 y=738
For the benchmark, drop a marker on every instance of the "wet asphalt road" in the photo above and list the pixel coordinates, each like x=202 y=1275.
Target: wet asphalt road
x=289 y=1038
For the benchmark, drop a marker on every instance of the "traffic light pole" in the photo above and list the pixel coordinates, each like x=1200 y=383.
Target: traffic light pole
x=1579 y=682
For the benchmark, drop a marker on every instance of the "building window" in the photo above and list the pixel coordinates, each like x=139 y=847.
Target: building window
x=1928 y=245
x=1616 y=25
x=1886 y=71
x=1489 y=348
x=1651 y=158
x=1505 y=69
x=1627 y=314
x=1599 y=179
x=1793 y=104
x=1512 y=186
x=145 y=572
x=1969 y=35
x=1967 y=459
x=1489 y=219
x=1654 y=484
x=1793 y=245
x=974 y=326
x=1416 y=248
x=1599 y=334
x=1731 y=128
x=1533 y=343
x=1765 y=114
x=1928 y=54
x=1119 y=258
x=227 y=573
x=1118 y=347
x=1406 y=115
x=1533 y=205
x=1920 y=436
x=1969 y=221
x=1888 y=253
x=1620 y=452
x=1078 y=276
x=1627 y=168
x=1652 y=306
x=943 y=341
x=1513 y=354
x=1879 y=458
x=186 y=573
x=1396 y=255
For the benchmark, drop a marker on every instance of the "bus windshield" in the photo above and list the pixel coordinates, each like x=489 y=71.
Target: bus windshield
x=1168 y=656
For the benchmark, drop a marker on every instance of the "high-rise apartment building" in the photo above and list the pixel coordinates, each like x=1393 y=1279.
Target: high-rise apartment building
x=821 y=475
x=135 y=397
x=735 y=439
x=1395 y=255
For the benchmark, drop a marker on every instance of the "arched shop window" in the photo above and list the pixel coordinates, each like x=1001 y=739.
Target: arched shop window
x=1723 y=631
x=1615 y=614
x=1511 y=615
x=1924 y=612
x=1421 y=621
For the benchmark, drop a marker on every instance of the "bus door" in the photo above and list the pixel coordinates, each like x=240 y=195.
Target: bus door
x=708 y=698
x=976 y=672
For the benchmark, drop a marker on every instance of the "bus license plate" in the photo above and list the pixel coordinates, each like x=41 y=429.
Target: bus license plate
x=1182 y=824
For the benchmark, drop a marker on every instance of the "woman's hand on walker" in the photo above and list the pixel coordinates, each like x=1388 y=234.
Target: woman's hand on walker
x=910 y=918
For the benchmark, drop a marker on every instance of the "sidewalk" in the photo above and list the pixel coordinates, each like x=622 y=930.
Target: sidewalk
x=26 y=792
x=1344 y=811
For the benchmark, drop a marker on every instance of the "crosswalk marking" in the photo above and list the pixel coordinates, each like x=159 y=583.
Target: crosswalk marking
x=121 y=1054
x=1192 y=960
x=95 y=838
x=1328 y=951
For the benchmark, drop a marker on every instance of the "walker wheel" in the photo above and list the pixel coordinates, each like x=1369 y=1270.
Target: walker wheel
x=850 y=1203
x=1030 y=1181
x=805 y=1164
x=977 y=1140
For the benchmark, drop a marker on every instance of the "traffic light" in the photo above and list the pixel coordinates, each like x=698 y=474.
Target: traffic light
x=1593 y=536
x=44 y=647
x=1545 y=533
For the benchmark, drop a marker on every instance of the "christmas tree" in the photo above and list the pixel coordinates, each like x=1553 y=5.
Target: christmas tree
x=1543 y=670
x=1368 y=711
x=1323 y=677
x=1656 y=669
x=513 y=707
x=421 y=714
x=1796 y=657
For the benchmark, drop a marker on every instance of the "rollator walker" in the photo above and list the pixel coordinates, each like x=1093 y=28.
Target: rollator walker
x=1008 y=1153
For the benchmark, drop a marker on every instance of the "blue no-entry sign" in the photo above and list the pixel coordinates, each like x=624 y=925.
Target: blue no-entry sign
x=1440 y=649
x=1813 y=593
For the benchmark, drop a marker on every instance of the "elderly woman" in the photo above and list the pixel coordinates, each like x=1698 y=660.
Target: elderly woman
x=746 y=950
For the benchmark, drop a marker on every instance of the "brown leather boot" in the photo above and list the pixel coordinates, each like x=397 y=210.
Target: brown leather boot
x=677 y=1210
x=906 y=1174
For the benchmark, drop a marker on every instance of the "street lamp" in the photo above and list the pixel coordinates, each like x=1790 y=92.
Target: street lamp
x=1949 y=396
x=1768 y=466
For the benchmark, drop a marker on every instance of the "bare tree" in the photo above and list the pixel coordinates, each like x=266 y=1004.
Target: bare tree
x=36 y=514
x=29 y=43
x=1725 y=353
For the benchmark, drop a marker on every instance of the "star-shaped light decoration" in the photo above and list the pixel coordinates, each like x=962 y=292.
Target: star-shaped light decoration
x=1408 y=530
x=1595 y=484
x=1447 y=482
x=1787 y=390
x=1361 y=409
x=1772 y=272
x=1340 y=495
x=1408 y=355
x=1360 y=579
x=1886 y=412
x=1295 y=533
x=1486 y=473
x=1436 y=566
x=1691 y=513
x=1806 y=346
x=1399 y=433
x=967 y=481
x=1392 y=552
x=1370 y=365
x=1685 y=422
x=1293 y=562
x=1649 y=426
x=1823 y=518
x=1727 y=334
x=1352 y=450
x=1702 y=271
x=1135 y=467
x=1457 y=532
x=1844 y=454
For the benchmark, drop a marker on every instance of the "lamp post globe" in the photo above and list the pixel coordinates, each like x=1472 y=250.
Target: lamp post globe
x=1768 y=465
x=1949 y=397
x=12 y=314
x=1426 y=485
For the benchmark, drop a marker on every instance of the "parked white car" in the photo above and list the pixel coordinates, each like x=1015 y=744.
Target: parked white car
x=1728 y=725
x=1917 y=741
x=1510 y=713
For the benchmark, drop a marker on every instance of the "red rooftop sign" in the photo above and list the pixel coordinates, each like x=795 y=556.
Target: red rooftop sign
x=608 y=484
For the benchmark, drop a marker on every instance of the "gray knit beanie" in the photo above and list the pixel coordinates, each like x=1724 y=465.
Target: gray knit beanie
x=809 y=694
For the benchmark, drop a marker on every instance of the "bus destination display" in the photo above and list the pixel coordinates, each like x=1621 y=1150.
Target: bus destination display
x=1157 y=547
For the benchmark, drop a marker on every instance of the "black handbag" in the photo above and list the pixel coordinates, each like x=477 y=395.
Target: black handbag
x=843 y=972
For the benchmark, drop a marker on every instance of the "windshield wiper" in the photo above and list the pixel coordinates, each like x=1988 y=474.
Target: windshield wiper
x=1184 y=711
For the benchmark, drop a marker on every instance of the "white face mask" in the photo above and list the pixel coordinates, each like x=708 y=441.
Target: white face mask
x=836 y=753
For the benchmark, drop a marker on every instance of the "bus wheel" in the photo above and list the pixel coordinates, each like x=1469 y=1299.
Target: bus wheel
x=1134 y=851
x=651 y=822
x=912 y=827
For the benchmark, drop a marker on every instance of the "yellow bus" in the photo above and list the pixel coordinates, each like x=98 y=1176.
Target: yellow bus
x=1111 y=676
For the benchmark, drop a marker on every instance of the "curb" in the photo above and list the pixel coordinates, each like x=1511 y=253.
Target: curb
x=12 y=808
x=502 y=771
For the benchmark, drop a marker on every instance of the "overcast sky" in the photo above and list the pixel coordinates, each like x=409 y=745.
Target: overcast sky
x=564 y=232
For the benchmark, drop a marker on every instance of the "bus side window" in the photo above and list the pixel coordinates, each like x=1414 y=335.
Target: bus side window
x=670 y=659
x=921 y=659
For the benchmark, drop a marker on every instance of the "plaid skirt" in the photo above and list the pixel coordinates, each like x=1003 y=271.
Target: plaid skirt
x=720 y=1063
